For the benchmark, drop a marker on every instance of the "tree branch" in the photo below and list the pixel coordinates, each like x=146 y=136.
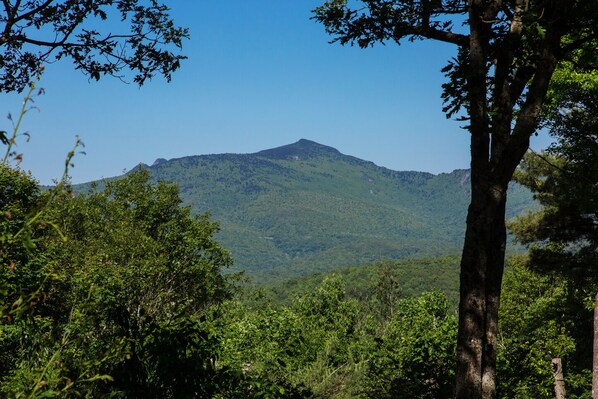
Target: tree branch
x=522 y=76
x=448 y=37
x=33 y=11
x=503 y=98
x=436 y=34
x=530 y=111
x=7 y=8
x=562 y=170
x=578 y=43
x=9 y=22
x=62 y=42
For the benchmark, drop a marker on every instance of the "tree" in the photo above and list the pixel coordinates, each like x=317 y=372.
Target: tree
x=498 y=83
x=132 y=274
x=541 y=318
x=414 y=355
x=563 y=235
x=387 y=290
x=317 y=347
x=39 y=31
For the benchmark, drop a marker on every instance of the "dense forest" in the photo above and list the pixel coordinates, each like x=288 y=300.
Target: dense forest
x=122 y=291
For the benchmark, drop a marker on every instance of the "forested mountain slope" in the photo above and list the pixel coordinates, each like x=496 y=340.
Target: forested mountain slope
x=306 y=207
x=412 y=277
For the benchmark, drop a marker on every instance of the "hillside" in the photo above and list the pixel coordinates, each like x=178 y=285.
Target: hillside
x=306 y=207
x=413 y=276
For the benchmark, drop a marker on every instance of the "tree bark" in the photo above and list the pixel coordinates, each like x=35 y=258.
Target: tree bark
x=595 y=353
x=559 y=380
x=482 y=266
x=482 y=261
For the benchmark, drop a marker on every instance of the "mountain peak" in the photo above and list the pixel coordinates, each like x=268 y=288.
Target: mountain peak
x=302 y=149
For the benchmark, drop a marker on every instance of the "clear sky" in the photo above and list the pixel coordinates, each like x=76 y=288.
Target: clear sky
x=260 y=74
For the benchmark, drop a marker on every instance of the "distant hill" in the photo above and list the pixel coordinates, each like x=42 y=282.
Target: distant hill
x=305 y=207
x=414 y=276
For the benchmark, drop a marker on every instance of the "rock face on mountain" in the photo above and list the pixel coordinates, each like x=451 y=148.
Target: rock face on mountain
x=306 y=207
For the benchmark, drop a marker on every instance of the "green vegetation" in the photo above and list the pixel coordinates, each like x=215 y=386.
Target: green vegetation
x=305 y=208
x=550 y=294
x=101 y=287
x=509 y=60
x=414 y=277
x=123 y=293
x=543 y=316
x=340 y=347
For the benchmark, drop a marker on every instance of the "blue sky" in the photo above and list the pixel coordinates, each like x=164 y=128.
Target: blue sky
x=260 y=74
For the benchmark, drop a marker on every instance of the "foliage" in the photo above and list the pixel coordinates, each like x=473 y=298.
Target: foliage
x=120 y=315
x=173 y=252
x=36 y=32
x=414 y=356
x=405 y=278
x=331 y=344
x=563 y=242
x=542 y=317
x=565 y=182
x=19 y=197
x=312 y=344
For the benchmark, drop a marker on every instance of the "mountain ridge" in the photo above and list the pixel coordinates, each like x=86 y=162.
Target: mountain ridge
x=306 y=207
x=302 y=147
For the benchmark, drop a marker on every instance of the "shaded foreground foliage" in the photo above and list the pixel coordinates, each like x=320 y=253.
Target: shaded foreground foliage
x=102 y=37
x=106 y=293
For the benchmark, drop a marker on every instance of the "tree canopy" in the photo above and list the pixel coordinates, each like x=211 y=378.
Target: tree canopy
x=105 y=37
x=104 y=288
x=564 y=235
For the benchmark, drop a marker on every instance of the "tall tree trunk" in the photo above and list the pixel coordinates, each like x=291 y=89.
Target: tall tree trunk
x=595 y=353
x=497 y=147
x=559 y=380
x=482 y=261
x=482 y=265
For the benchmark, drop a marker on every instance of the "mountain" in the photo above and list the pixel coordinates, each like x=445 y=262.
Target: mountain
x=305 y=207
